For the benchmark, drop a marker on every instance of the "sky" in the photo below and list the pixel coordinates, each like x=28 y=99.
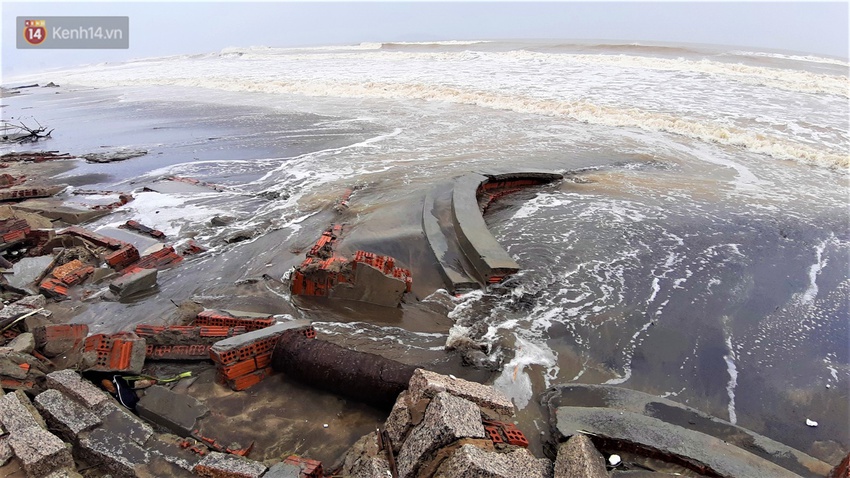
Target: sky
x=166 y=28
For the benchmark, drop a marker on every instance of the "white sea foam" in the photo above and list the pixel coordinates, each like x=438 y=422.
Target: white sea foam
x=514 y=380
x=732 y=369
x=811 y=292
x=806 y=58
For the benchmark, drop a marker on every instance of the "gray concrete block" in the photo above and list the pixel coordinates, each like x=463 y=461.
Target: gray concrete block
x=129 y=284
x=73 y=385
x=220 y=465
x=285 y=470
x=118 y=420
x=64 y=415
x=426 y=384
x=447 y=419
x=175 y=412
x=40 y=451
x=578 y=457
x=470 y=461
x=250 y=337
x=22 y=344
x=167 y=447
x=117 y=455
x=17 y=413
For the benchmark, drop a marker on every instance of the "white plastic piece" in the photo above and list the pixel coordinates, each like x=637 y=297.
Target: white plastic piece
x=325 y=425
x=811 y=423
x=614 y=460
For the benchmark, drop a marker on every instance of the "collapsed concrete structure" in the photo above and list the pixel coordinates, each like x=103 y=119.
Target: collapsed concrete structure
x=365 y=277
x=468 y=256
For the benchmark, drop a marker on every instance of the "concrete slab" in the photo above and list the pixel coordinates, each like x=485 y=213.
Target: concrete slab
x=685 y=417
x=134 y=282
x=26 y=271
x=220 y=465
x=175 y=412
x=117 y=455
x=55 y=209
x=441 y=237
x=679 y=445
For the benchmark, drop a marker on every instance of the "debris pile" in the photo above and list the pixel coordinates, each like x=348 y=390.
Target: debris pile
x=366 y=277
x=439 y=427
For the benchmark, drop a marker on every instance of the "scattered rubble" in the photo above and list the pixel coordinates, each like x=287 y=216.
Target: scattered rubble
x=113 y=156
x=366 y=277
x=34 y=157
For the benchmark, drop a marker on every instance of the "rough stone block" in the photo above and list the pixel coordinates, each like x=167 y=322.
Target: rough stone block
x=399 y=423
x=22 y=344
x=64 y=415
x=133 y=282
x=40 y=451
x=64 y=473
x=578 y=457
x=364 y=459
x=55 y=340
x=173 y=411
x=17 y=413
x=72 y=384
x=220 y=465
x=426 y=384
x=6 y=453
x=447 y=419
x=118 y=455
x=470 y=460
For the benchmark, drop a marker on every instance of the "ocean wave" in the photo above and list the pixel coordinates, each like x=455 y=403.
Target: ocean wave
x=791 y=80
x=805 y=58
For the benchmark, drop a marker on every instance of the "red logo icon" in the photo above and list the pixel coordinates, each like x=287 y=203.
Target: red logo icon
x=35 y=31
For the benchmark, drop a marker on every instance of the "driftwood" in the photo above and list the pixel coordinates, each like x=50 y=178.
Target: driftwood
x=21 y=133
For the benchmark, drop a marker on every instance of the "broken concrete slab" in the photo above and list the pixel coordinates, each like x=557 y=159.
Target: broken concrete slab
x=64 y=415
x=40 y=451
x=119 y=420
x=426 y=384
x=133 y=282
x=59 y=210
x=670 y=412
x=447 y=419
x=175 y=412
x=113 y=156
x=17 y=413
x=84 y=392
x=118 y=455
x=286 y=470
x=654 y=437
x=27 y=271
x=167 y=446
x=470 y=460
x=23 y=343
x=578 y=457
x=220 y=465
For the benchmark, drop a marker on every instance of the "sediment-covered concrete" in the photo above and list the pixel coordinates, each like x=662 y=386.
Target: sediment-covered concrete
x=489 y=260
x=437 y=235
x=674 y=416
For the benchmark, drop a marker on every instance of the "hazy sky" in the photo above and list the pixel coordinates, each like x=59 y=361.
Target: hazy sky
x=159 y=29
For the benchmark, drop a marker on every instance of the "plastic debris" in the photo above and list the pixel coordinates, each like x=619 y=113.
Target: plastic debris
x=614 y=460
x=811 y=423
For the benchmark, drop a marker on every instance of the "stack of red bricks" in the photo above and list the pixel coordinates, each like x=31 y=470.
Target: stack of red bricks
x=121 y=352
x=245 y=360
x=136 y=226
x=309 y=468
x=165 y=257
x=505 y=433
x=385 y=264
x=14 y=230
x=64 y=276
x=183 y=342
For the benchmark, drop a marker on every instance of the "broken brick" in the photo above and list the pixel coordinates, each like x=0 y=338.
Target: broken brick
x=55 y=340
x=122 y=352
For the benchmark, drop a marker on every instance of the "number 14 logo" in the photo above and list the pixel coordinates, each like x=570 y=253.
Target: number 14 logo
x=34 y=31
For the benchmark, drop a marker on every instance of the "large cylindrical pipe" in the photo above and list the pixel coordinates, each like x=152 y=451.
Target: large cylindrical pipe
x=360 y=376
